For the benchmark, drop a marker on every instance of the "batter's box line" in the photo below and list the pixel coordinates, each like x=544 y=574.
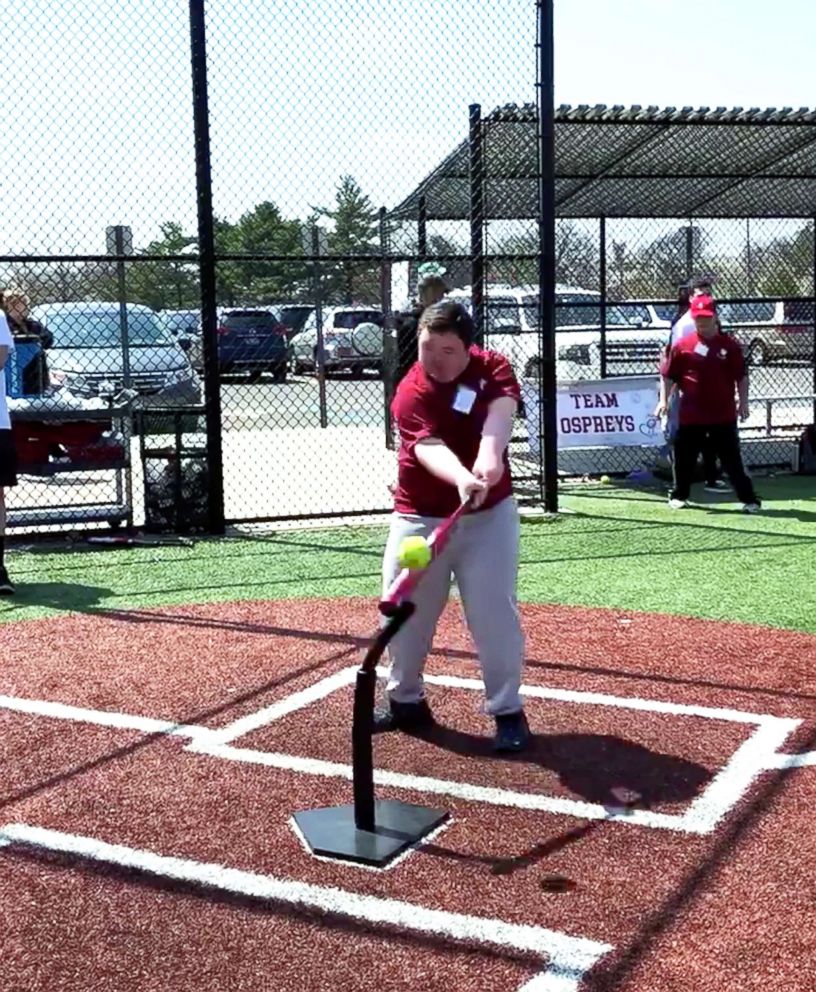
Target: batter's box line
x=566 y=959
x=759 y=754
x=753 y=757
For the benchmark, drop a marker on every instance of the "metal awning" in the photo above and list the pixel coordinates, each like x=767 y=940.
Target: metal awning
x=635 y=162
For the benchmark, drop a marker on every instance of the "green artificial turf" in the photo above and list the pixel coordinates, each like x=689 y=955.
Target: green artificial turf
x=613 y=546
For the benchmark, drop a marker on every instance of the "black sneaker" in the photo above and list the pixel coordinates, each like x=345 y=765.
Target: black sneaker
x=6 y=585
x=403 y=716
x=512 y=732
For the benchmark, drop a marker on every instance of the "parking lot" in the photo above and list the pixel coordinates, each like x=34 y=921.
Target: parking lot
x=359 y=402
x=280 y=462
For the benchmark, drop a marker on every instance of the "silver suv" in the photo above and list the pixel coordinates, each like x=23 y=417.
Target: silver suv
x=352 y=339
x=771 y=331
x=87 y=355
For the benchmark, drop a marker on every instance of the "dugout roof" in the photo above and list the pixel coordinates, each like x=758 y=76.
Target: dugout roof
x=635 y=162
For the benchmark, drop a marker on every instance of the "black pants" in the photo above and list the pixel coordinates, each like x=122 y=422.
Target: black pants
x=712 y=469
x=724 y=439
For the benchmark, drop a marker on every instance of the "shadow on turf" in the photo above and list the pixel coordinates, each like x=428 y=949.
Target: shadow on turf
x=59 y=596
x=744 y=539
x=56 y=595
x=806 y=516
x=593 y=766
x=143 y=616
x=621 y=673
x=62 y=596
x=612 y=974
x=514 y=863
x=310 y=545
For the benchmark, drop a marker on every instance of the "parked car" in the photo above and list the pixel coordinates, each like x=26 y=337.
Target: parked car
x=352 y=339
x=181 y=323
x=771 y=331
x=634 y=332
x=252 y=339
x=294 y=316
x=87 y=355
x=662 y=311
x=511 y=321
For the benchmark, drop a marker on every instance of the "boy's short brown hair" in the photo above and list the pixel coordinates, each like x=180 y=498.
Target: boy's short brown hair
x=447 y=317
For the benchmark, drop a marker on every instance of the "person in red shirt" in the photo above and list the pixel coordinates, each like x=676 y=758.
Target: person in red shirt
x=454 y=411
x=709 y=368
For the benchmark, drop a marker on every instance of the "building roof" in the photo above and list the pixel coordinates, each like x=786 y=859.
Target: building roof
x=636 y=162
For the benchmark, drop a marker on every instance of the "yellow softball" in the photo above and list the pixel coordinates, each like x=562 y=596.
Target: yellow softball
x=414 y=552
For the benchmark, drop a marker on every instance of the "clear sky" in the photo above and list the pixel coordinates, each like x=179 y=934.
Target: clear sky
x=95 y=94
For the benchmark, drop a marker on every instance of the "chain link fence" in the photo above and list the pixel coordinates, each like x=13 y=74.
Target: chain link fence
x=213 y=288
x=98 y=178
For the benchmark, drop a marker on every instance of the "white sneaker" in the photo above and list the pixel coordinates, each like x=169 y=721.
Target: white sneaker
x=677 y=504
x=751 y=507
x=720 y=486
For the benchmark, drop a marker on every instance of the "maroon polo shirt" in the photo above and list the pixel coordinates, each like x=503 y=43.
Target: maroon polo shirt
x=424 y=408
x=707 y=372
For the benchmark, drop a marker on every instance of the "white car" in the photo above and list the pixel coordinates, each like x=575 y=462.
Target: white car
x=634 y=332
x=352 y=339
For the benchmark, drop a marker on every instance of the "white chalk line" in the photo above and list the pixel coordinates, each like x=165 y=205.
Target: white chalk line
x=804 y=759
x=447 y=787
x=566 y=958
x=283 y=707
x=101 y=718
x=738 y=775
x=701 y=817
x=759 y=753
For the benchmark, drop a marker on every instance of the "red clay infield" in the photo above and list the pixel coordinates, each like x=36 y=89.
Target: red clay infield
x=137 y=859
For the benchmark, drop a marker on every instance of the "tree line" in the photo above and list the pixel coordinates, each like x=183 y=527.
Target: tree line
x=651 y=269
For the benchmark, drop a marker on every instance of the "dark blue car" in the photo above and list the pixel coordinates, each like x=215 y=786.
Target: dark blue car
x=253 y=341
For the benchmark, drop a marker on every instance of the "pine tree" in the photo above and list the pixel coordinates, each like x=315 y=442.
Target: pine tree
x=354 y=233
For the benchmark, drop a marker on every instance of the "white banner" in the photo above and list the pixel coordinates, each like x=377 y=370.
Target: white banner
x=600 y=414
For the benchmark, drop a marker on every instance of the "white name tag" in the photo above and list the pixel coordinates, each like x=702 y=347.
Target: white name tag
x=464 y=399
x=701 y=349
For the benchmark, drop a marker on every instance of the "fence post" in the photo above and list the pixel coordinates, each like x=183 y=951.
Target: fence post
x=121 y=295
x=422 y=228
x=388 y=363
x=206 y=251
x=477 y=217
x=813 y=318
x=548 y=412
x=602 y=287
x=690 y=250
x=317 y=296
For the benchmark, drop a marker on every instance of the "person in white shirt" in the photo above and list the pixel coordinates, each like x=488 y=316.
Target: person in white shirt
x=8 y=455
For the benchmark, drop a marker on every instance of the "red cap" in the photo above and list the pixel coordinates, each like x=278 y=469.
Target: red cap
x=703 y=306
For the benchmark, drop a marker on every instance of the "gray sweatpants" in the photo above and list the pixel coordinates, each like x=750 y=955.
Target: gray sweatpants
x=482 y=554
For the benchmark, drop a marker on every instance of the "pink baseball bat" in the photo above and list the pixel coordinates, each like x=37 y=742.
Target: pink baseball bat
x=404 y=584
